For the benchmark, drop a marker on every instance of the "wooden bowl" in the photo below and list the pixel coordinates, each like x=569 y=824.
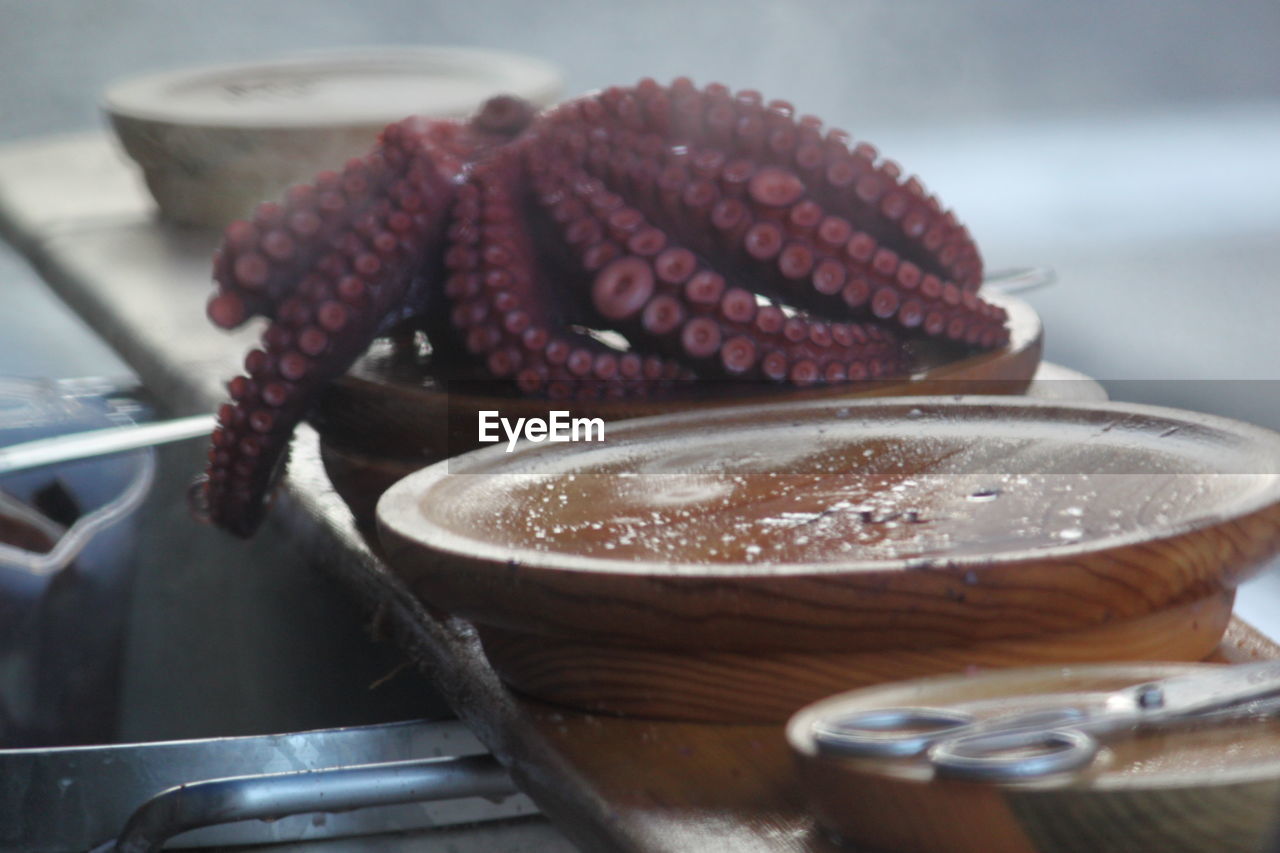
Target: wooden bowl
x=735 y=562
x=1198 y=788
x=389 y=417
x=212 y=142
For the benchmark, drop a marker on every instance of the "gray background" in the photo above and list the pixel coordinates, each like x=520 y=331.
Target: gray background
x=855 y=63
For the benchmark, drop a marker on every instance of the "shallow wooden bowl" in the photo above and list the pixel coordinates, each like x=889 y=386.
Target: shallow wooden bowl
x=732 y=564
x=389 y=416
x=1214 y=787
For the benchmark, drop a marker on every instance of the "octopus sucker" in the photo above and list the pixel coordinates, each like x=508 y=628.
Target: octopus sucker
x=620 y=245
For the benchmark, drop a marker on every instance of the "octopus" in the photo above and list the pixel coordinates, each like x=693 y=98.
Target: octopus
x=624 y=244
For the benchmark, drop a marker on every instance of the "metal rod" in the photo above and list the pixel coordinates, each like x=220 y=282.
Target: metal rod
x=1019 y=279
x=99 y=442
x=278 y=795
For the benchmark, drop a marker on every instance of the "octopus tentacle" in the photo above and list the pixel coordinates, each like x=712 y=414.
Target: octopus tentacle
x=368 y=239
x=873 y=190
x=611 y=246
x=500 y=308
x=386 y=205
x=338 y=263
x=769 y=227
x=657 y=290
x=761 y=220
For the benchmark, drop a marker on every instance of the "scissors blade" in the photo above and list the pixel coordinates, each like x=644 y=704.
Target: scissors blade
x=1202 y=692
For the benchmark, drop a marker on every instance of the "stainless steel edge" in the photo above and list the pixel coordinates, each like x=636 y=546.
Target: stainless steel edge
x=321 y=792
x=72 y=798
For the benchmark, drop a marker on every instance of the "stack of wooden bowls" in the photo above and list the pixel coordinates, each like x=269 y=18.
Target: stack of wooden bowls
x=738 y=563
x=392 y=415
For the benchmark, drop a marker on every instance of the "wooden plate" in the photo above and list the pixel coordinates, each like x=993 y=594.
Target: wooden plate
x=387 y=406
x=1207 y=788
x=388 y=416
x=844 y=528
x=767 y=685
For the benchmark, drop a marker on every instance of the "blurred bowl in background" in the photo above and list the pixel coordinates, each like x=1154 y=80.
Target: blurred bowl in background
x=212 y=142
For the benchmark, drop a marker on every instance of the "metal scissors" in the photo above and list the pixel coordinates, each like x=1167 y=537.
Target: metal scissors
x=968 y=741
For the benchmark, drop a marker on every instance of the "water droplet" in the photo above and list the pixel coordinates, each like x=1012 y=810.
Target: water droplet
x=1070 y=533
x=843 y=412
x=915 y=413
x=198 y=500
x=1073 y=511
x=984 y=495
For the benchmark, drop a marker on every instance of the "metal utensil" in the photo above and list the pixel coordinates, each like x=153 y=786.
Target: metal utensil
x=137 y=795
x=1057 y=738
x=269 y=797
x=100 y=442
x=1019 y=279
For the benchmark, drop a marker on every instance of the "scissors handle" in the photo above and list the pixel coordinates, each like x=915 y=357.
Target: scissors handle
x=888 y=732
x=1013 y=755
x=906 y=731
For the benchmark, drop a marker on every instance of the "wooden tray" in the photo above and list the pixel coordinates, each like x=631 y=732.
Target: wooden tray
x=389 y=416
x=1212 y=787
x=922 y=535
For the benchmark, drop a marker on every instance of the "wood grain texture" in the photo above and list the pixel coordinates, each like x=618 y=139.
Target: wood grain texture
x=360 y=473
x=652 y=786
x=862 y=611
x=391 y=404
x=1187 y=789
x=1190 y=519
x=767 y=686
x=388 y=416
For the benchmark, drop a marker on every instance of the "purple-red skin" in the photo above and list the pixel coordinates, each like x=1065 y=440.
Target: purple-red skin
x=720 y=235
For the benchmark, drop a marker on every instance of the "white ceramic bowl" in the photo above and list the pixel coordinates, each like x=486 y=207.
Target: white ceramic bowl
x=212 y=142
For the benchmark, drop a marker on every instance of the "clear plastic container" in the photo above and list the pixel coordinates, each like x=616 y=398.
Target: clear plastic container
x=66 y=548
